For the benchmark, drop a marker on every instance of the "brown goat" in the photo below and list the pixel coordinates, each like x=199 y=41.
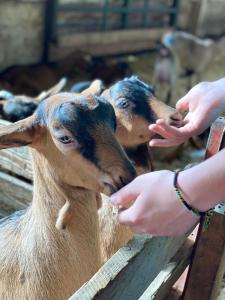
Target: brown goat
x=135 y=107
x=75 y=155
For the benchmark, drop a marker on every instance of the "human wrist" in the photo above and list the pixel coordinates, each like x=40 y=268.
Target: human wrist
x=179 y=194
x=192 y=188
x=219 y=91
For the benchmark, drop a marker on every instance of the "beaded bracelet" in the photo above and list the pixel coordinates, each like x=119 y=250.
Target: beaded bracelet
x=207 y=214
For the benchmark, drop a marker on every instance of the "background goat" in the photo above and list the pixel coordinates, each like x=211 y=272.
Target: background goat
x=182 y=54
x=18 y=107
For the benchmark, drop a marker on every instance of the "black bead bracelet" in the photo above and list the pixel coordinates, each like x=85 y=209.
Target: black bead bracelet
x=207 y=214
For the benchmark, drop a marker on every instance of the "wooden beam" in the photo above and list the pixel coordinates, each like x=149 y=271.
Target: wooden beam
x=205 y=270
x=130 y=271
x=106 y=43
x=207 y=267
x=160 y=286
x=5 y=210
x=14 y=192
x=16 y=160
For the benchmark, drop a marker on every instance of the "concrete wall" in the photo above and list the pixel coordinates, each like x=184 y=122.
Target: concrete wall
x=202 y=17
x=184 y=14
x=212 y=18
x=21 y=32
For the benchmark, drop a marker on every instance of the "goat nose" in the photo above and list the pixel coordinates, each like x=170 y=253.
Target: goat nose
x=129 y=175
x=176 y=119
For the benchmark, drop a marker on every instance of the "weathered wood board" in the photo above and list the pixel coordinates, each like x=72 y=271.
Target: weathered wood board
x=131 y=270
x=14 y=192
x=106 y=43
x=160 y=286
x=208 y=264
x=16 y=160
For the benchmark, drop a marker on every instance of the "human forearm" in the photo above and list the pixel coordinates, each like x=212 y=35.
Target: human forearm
x=203 y=186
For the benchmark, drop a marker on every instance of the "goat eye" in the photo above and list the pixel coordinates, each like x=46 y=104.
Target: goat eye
x=66 y=139
x=122 y=103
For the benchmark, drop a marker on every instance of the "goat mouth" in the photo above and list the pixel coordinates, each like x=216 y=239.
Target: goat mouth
x=156 y=136
x=109 y=188
x=176 y=123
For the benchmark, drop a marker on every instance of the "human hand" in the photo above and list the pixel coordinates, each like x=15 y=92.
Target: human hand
x=154 y=208
x=204 y=102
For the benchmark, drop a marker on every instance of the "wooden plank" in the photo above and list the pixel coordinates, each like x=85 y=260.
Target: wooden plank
x=160 y=286
x=14 y=192
x=4 y=123
x=206 y=269
x=206 y=264
x=130 y=271
x=16 y=160
x=104 y=38
x=5 y=210
x=106 y=43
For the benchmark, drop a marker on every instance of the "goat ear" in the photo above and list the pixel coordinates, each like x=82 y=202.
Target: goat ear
x=2 y=102
x=95 y=88
x=18 y=134
x=54 y=90
x=6 y=95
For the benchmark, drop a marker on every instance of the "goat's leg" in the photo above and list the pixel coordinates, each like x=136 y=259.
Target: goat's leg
x=168 y=96
x=198 y=77
x=189 y=85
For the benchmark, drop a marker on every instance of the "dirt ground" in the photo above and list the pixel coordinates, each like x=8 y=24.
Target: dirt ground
x=143 y=67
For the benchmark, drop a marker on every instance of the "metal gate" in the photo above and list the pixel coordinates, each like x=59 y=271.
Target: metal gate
x=64 y=16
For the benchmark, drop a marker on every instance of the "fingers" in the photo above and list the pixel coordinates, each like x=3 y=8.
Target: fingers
x=175 y=136
x=130 y=216
x=183 y=104
x=160 y=129
x=126 y=195
x=167 y=131
x=164 y=143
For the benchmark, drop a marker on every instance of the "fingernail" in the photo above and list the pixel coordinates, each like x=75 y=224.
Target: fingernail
x=151 y=143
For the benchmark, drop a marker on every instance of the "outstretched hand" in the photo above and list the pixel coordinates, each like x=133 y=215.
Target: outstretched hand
x=203 y=103
x=152 y=206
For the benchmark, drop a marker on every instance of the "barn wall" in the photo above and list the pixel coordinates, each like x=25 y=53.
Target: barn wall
x=184 y=13
x=22 y=25
x=202 y=17
x=212 y=18
x=21 y=32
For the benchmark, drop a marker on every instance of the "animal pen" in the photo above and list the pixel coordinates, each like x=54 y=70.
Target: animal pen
x=147 y=267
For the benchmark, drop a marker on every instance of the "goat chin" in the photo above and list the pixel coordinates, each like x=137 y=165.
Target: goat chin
x=113 y=235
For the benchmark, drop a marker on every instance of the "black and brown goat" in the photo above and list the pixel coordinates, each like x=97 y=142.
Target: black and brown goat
x=18 y=107
x=135 y=107
x=75 y=155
